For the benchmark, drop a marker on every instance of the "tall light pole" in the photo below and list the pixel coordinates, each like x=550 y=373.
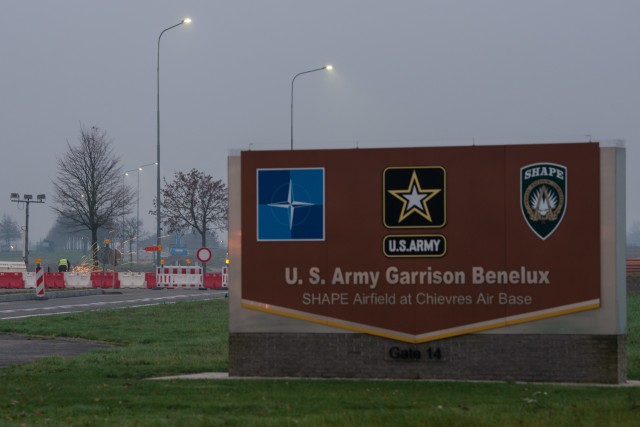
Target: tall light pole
x=326 y=67
x=158 y=218
x=26 y=199
x=138 y=211
x=126 y=174
x=123 y=220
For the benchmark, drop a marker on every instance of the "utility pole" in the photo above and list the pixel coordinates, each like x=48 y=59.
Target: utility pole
x=26 y=199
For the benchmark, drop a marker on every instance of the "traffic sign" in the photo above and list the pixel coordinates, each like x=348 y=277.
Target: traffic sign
x=179 y=251
x=203 y=254
x=153 y=248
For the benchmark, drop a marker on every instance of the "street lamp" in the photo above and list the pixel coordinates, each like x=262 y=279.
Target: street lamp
x=26 y=199
x=184 y=21
x=138 y=209
x=326 y=67
x=126 y=174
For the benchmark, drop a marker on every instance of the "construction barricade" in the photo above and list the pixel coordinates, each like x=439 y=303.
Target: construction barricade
x=105 y=280
x=150 y=279
x=131 y=280
x=77 y=280
x=225 y=277
x=212 y=280
x=13 y=266
x=179 y=277
x=29 y=278
x=54 y=280
x=11 y=280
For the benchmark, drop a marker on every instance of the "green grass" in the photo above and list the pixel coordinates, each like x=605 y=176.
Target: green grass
x=108 y=387
x=633 y=337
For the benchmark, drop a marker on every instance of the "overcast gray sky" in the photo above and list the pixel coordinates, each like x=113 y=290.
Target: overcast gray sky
x=407 y=72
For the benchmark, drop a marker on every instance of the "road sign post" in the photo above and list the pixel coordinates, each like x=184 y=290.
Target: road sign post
x=204 y=255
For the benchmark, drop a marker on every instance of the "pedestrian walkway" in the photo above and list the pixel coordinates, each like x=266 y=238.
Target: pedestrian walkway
x=19 y=349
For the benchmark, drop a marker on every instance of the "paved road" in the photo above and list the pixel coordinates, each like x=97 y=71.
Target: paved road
x=17 y=349
x=11 y=309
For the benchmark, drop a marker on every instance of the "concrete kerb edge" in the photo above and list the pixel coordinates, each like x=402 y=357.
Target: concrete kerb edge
x=49 y=295
x=225 y=376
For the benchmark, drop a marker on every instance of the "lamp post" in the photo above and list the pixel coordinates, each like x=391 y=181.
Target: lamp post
x=138 y=211
x=123 y=220
x=184 y=21
x=26 y=199
x=326 y=67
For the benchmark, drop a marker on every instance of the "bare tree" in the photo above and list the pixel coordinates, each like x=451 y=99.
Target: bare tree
x=194 y=201
x=9 y=229
x=129 y=232
x=89 y=190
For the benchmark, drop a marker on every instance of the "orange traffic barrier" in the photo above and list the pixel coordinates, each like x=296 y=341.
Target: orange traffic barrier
x=104 y=280
x=150 y=278
x=212 y=280
x=11 y=280
x=54 y=280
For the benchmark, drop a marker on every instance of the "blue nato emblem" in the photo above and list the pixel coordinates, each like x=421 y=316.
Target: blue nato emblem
x=291 y=204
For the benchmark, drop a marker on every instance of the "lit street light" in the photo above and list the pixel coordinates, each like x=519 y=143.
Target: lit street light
x=26 y=199
x=326 y=67
x=184 y=21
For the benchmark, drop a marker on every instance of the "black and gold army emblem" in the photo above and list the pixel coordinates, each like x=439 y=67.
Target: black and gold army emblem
x=414 y=197
x=543 y=197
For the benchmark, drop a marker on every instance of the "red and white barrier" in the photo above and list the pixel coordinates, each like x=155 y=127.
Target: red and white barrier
x=29 y=278
x=39 y=281
x=225 y=277
x=77 y=280
x=105 y=280
x=11 y=280
x=132 y=280
x=54 y=280
x=179 y=277
x=164 y=277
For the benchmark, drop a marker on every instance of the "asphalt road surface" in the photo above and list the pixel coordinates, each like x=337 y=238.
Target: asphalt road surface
x=17 y=349
x=119 y=298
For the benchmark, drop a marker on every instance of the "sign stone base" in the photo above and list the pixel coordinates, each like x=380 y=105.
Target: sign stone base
x=495 y=357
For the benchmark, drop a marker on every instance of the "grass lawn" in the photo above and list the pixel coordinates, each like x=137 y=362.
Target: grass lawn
x=109 y=388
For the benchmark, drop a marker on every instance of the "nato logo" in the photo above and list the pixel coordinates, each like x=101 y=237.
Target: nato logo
x=290 y=204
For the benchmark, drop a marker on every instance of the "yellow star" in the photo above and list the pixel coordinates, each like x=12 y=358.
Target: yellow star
x=414 y=199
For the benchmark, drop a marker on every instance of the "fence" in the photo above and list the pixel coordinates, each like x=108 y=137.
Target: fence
x=164 y=277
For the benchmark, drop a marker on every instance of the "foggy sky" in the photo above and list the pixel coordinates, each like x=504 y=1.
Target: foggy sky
x=405 y=73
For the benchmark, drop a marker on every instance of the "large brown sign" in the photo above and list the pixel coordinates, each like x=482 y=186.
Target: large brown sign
x=418 y=244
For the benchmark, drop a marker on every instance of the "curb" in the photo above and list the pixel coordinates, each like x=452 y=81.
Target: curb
x=50 y=295
x=225 y=376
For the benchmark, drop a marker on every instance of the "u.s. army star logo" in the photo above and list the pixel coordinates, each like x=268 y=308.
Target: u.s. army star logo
x=414 y=197
x=543 y=197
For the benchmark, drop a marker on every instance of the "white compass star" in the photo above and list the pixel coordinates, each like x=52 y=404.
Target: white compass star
x=291 y=204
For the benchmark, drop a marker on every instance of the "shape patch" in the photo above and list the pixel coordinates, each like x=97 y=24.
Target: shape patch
x=290 y=204
x=543 y=196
